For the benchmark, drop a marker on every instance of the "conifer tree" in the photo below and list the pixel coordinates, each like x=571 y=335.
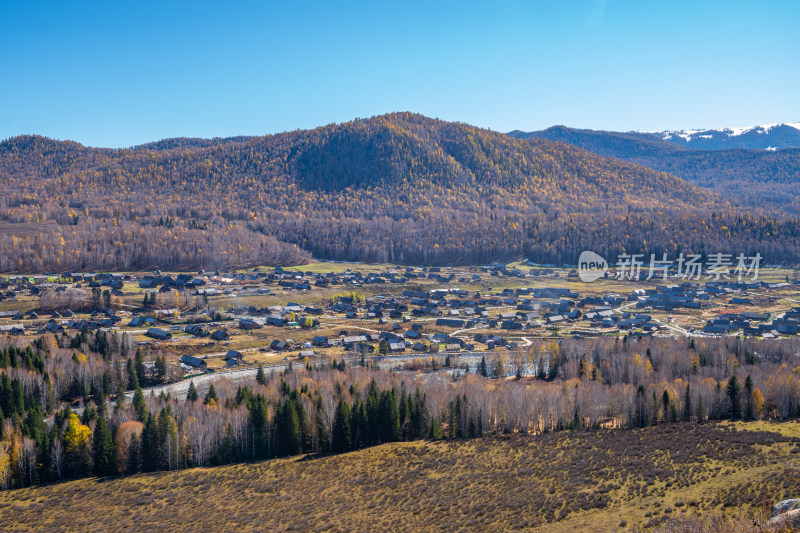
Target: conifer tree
x=133 y=379
x=749 y=404
x=141 y=371
x=139 y=405
x=483 y=370
x=733 y=390
x=103 y=447
x=288 y=429
x=260 y=423
x=192 y=395
x=151 y=449
x=687 y=404
x=160 y=369
x=342 y=441
x=211 y=396
x=134 y=454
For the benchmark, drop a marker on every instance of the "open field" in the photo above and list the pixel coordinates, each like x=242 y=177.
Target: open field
x=582 y=481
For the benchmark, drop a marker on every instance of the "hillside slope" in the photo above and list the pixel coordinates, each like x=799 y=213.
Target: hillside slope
x=568 y=481
x=399 y=187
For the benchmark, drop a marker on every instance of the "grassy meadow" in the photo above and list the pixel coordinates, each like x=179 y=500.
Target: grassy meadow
x=605 y=480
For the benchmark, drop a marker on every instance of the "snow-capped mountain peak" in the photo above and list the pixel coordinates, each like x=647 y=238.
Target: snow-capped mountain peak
x=763 y=137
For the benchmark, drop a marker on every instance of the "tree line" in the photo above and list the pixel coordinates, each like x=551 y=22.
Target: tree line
x=335 y=406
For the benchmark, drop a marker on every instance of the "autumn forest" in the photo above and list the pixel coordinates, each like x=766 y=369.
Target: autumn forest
x=397 y=188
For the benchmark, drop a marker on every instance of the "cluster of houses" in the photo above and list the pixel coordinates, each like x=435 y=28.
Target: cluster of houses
x=412 y=340
x=166 y=283
x=755 y=324
x=451 y=309
x=689 y=295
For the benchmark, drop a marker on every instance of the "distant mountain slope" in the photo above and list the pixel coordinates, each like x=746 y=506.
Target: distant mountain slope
x=399 y=187
x=767 y=137
x=757 y=179
x=605 y=143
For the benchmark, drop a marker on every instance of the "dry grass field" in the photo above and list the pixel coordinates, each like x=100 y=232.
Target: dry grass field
x=585 y=481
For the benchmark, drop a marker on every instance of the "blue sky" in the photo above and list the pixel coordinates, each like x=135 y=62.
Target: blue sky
x=124 y=73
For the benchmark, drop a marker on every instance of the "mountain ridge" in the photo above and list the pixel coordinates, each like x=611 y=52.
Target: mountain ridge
x=398 y=188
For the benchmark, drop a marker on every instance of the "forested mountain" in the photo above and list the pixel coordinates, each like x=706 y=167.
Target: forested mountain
x=758 y=179
x=398 y=187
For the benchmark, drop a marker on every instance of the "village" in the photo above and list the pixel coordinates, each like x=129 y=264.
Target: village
x=218 y=321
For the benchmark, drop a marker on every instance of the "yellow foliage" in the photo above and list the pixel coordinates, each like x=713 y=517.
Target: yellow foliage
x=758 y=402
x=77 y=434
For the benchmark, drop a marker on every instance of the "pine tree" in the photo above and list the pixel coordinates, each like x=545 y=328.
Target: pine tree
x=358 y=423
x=160 y=369
x=404 y=410
x=17 y=396
x=103 y=447
x=139 y=405
x=211 y=396
x=373 y=433
x=151 y=445
x=482 y=368
x=192 y=395
x=687 y=404
x=107 y=388
x=167 y=434
x=749 y=404
x=392 y=417
x=260 y=423
x=133 y=380
x=733 y=390
x=306 y=434
x=261 y=378
x=141 y=371
x=96 y=299
x=499 y=369
x=288 y=429
x=134 y=455
x=641 y=408
x=436 y=429
x=342 y=440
